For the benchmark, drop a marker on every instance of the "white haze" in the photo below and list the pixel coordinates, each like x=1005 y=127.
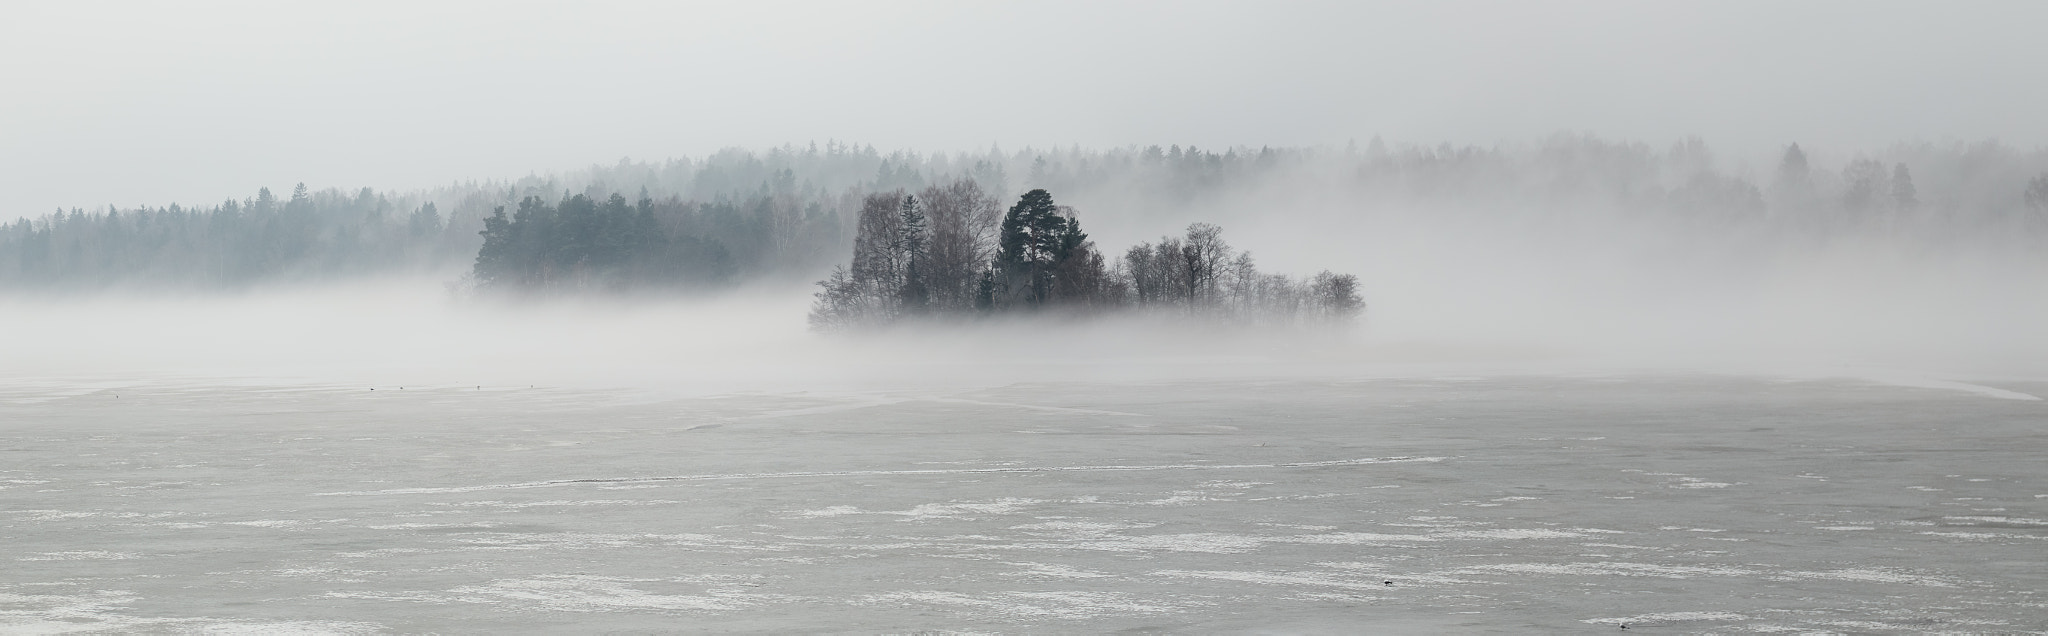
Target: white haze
x=1852 y=311
x=132 y=104
x=1630 y=288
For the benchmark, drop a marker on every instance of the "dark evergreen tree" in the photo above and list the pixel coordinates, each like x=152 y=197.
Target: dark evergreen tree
x=1033 y=236
x=424 y=221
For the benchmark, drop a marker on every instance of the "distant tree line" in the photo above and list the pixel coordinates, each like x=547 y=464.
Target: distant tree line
x=583 y=244
x=782 y=213
x=788 y=212
x=262 y=237
x=1921 y=191
x=944 y=254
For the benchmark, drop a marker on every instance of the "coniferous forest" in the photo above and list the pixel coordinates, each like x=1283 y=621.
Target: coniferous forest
x=583 y=244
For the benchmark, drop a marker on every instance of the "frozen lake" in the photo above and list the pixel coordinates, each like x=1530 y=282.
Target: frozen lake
x=1681 y=503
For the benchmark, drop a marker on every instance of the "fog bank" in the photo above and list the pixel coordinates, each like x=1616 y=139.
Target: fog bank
x=1906 y=324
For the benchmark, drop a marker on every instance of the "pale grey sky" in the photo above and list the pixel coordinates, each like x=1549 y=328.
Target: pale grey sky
x=194 y=102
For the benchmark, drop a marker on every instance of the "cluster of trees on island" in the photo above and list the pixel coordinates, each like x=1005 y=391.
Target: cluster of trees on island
x=944 y=252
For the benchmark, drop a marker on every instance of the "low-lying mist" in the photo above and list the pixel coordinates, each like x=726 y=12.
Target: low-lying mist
x=1846 y=313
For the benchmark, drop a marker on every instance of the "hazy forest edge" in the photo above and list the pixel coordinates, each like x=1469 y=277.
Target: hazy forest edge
x=788 y=215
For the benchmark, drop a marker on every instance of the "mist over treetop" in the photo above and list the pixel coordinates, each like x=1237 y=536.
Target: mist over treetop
x=787 y=213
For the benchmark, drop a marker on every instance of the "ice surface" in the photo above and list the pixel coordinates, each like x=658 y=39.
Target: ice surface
x=1508 y=504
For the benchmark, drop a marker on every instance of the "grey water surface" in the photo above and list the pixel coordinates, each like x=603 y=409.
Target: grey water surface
x=1675 y=504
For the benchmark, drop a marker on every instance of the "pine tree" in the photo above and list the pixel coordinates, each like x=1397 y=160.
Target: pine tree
x=494 y=259
x=424 y=221
x=1032 y=235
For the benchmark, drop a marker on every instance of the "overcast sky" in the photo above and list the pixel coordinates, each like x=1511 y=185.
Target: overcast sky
x=194 y=102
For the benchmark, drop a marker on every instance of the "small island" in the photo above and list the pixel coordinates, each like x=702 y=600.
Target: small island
x=949 y=252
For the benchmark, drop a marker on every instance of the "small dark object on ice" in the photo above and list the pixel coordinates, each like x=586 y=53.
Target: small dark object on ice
x=1389 y=583
x=1624 y=625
